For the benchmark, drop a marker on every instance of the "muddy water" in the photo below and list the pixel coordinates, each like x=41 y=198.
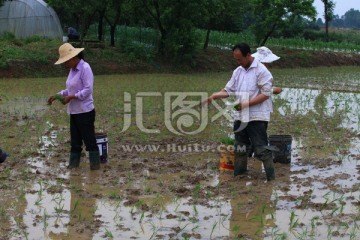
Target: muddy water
x=326 y=103
x=184 y=196
x=21 y=108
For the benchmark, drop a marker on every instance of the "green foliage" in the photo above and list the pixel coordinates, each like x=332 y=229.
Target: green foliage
x=181 y=44
x=173 y=23
x=3 y=64
x=274 y=13
x=138 y=51
x=141 y=35
x=8 y=36
x=227 y=141
x=329 y=6
x=337 y=37
x=176 y=21
x=35 y=48
x=227 y=39
x=352 y=18
x=33 y=39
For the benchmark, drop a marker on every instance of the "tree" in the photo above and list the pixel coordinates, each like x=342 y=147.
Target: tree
x=271 y=14
x=291 y=27
x=320 y=22
x=175 y=20
x=337 y=22
x=101 y=15
x=80 y=12
x=112 y=17
x=226 y=15
x=352 y=18
x=214 y=9
x=329 y=6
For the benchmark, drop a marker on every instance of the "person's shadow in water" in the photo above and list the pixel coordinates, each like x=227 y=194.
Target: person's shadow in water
x=251 y=210
x=82 y=219
x=253 y=200
x=251 y=204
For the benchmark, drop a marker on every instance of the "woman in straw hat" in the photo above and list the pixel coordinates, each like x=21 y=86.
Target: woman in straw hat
x=265 y=56
x=80 y=106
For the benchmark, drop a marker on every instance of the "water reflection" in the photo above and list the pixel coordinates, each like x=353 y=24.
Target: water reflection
x=83 y=205
x=319 y=201
x=324 y=103
x=251 y=213
x=178 y=219
x=46 y=213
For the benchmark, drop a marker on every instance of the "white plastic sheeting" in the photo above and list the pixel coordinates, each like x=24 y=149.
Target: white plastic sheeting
x=25 y=18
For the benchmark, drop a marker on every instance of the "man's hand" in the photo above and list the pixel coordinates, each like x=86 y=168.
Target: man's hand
x=241 y=106
x=206 y=101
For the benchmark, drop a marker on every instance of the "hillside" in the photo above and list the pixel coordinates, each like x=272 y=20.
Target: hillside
x=211 y=60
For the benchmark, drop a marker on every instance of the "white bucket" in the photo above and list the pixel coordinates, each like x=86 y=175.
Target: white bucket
x=65 y=38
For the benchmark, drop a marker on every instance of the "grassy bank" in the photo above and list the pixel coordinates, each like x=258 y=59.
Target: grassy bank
x=35 y=57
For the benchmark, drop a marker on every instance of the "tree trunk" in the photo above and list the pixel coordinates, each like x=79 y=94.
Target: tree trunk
x=101 y=25
x=326 y=20
x=268 y=34
x=206 y=43
x=112 y=35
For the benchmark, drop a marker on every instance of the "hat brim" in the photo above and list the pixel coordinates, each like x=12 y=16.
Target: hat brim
x=268 y=59
x=69 y=56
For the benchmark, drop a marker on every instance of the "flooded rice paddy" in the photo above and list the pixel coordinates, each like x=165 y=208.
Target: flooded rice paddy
x=181 y=194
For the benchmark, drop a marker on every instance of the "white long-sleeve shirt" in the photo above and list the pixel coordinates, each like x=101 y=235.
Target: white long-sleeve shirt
x=246 y=85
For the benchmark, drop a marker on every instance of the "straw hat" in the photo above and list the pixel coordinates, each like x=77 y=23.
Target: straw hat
x=265 y=55
x=67 y=52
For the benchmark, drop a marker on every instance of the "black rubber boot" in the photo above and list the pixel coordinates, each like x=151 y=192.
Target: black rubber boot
x=94 y=157
x=270 y=174
x=265 y=155
x=240 y=161
x=250 y=151
x=74 y=160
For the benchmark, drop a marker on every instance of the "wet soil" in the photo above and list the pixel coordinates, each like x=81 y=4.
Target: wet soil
x=138 y=181
x=134 y=180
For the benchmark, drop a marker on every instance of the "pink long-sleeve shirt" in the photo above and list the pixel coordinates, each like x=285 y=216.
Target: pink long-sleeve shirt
x=80 y=83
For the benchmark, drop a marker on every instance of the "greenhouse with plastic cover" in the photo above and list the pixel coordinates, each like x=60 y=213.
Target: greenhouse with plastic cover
x=26 y=18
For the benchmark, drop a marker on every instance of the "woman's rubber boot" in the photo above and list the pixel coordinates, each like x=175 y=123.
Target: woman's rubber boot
x=74 y=160
x=94 y=157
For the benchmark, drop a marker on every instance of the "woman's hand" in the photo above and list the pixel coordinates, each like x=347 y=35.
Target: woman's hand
x=67 y=99
x=50 y=100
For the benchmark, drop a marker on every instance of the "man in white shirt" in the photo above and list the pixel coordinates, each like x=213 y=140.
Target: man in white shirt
x=251 y=83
